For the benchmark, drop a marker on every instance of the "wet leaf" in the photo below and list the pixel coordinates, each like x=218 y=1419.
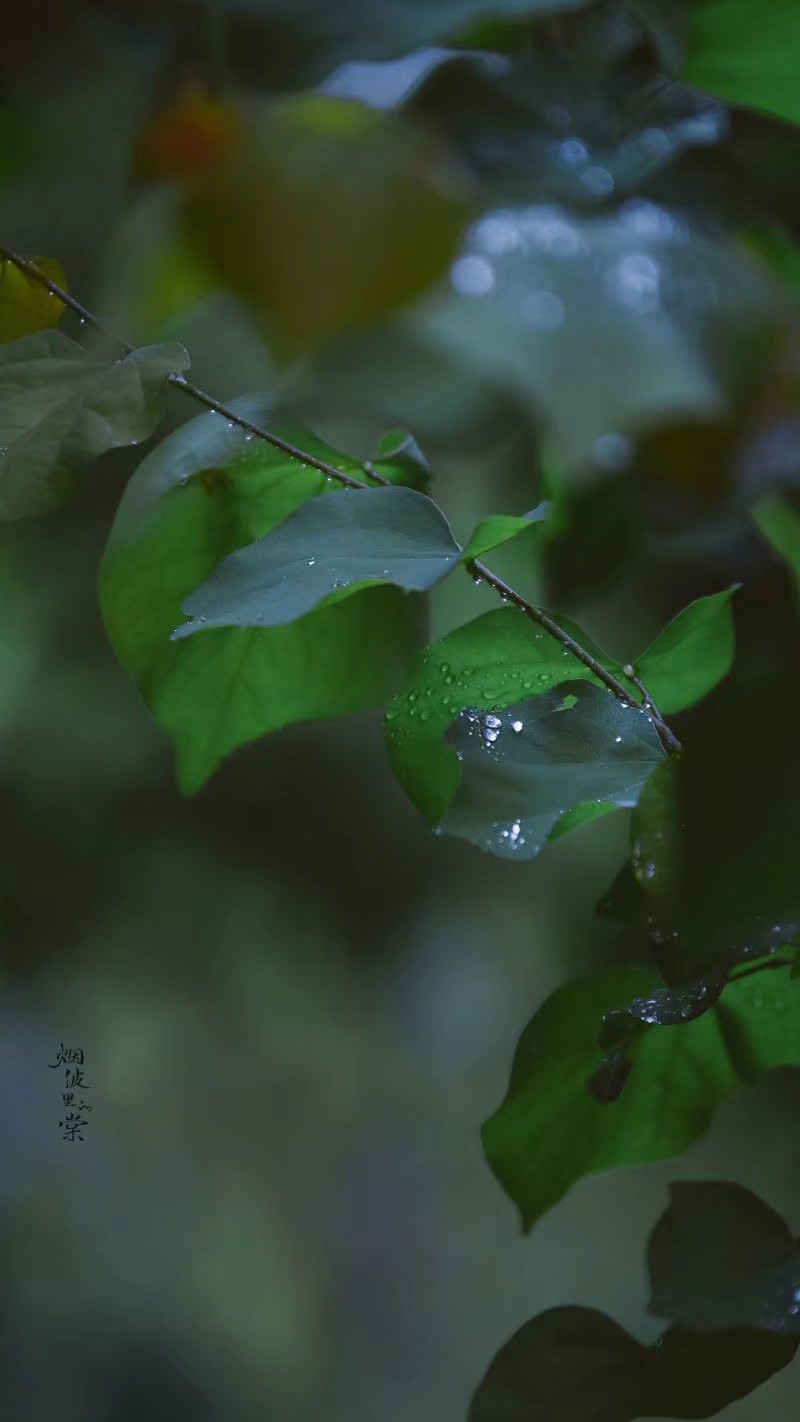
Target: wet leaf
x=721 y=1258
x=577 y=1365
x=549 y=1132
x=529 y=764
x=60 y=408
x=204 y=492
x=337 y=541
x=488 y=663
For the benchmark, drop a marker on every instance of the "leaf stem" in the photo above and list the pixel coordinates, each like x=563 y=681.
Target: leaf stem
x=475 y=568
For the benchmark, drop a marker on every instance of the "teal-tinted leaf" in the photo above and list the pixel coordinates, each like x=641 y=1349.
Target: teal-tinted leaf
x=549 y=1132
x=61 y=407
x=746 y=51
x=693 y=653
x=339 y=540
x=780 y=525
x=204 y=492
x=721 y=1258
x=577 y=1365
x=715 y=835
x=488 y=663
x=526 y=766
x=499 y=528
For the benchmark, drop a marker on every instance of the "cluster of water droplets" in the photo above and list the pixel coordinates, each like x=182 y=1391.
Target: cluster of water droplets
x=533 y=261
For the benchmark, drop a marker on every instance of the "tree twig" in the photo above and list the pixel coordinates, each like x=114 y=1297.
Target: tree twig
x=475 y=568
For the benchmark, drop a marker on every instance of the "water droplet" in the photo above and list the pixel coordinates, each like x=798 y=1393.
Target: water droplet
x=612 y=451
x=542 y=310
x=573 y=151
x=597 y=181
x=472 y=276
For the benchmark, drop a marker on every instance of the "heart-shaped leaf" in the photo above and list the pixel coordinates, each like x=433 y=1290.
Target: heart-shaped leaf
x=205 y=491
x=577 y=1365
x=549 y=1132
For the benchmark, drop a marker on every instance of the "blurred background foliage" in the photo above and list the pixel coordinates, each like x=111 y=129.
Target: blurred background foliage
x=517 y=230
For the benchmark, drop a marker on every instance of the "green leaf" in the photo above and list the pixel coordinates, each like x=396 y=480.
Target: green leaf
x=488 y=664
x=25 y=305
x=498 y=529
x=715 y=833
x=340 y=540
x=535 y=761
x=60 y=408
x=780 y=525
x=721 y=1258
x=693 y=653
x=549 y=1132
x=745 y=51
x=326 y=216
x=577 y=1365
x=204 y=492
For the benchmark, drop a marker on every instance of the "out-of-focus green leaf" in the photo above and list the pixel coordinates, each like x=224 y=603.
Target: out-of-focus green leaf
x=535 y=761
x=204 y=492
x=549 y=1132
x=745 y=51
x=337 y=541
x=577 y=1365
x=780 y=525
x=60 y=408
x=326 y=217
x=719 y=1257
x=150 y=276
x=25 y=305
x=715 y=835
x=693 y=653
x=488 y=663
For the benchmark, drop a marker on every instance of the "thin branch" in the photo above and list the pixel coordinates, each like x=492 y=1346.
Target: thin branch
x=474 y=567
x=669 y=740
x=179 y=381
x=508 y=594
